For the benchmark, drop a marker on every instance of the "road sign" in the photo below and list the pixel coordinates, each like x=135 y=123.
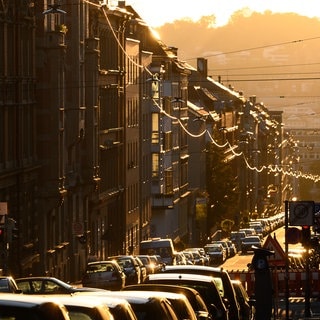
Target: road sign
x=279 y=257
x=77 y=228
x=301 y=213
x=293 y=235
x=3 y=212
x=3 y=208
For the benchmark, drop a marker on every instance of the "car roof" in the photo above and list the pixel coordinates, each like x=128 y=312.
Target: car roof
x=75 y=300
x=24 y=299
x=192 y=294
x=103 y=261
x=136 y=298
x=180 y=276
x=43 y=279
x=194 y=267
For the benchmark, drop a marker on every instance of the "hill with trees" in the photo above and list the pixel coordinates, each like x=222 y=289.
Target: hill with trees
x=271 y=55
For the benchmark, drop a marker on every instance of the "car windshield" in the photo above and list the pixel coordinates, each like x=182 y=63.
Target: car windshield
x=251 y=239
x=100 y=267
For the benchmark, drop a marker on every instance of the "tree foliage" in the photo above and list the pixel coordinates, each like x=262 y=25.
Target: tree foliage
x=221 y=186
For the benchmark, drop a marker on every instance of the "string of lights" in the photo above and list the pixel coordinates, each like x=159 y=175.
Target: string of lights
x=270 y=168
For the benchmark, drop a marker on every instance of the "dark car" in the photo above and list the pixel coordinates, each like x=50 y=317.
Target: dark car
x=148 y=263
x=236 y=237
x=205 y=285
x=228 y=290
x=105 y=275
x=120 y=308
x=192 y=295
x=143 y=269
x=246 y=304
x=47 y=285
x=31 y=308
x=248 y=242
x=145 y=306
x=81 y=307
x=179 y=302
x=8 y=285
x=130 y=267
x=216 y=253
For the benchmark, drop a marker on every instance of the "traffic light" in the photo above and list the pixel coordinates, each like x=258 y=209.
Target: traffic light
x=13 y=231
x=305 y=236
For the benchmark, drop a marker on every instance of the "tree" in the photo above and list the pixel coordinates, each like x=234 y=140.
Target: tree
x=222 y=187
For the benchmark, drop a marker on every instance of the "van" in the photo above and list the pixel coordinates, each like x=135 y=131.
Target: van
x=158 y=246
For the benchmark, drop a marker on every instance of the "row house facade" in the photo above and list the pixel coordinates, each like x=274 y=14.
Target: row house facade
x=103 y=136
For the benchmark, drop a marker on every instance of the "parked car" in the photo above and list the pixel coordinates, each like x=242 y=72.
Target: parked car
x=247 y=309
x=148 y=263
x=157 y=262
x=197 y=258
x=228 y=290
x=120 y=308
x=80 y=307
x=249 y=231
x=9 y=285
x=25 y=307
x=130 y=267
x=202 y=254
x=105 y=275
x=225 y=246
x=232 y=248
x=192 y=295
x=179 y=302
x=248 y=242
x=144 y=306
x=47 y=285
x=189 y=257
x=236 y=237
x=216 y=252
x=143 y=269
x=205 y=285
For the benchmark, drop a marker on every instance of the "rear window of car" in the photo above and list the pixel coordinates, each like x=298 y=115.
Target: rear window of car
x=4 y=285
x=101 y=267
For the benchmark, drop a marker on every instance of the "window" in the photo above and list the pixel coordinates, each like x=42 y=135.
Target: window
x=155 y=128
x=168 y=181
x=155 y=165
x=167 y=140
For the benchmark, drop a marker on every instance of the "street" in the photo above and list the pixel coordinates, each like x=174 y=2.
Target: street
x=296 y=305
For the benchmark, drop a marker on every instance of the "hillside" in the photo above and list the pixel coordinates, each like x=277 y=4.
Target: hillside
x=272 y=56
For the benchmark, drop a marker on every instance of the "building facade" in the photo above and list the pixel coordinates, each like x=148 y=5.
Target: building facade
x=100 y=144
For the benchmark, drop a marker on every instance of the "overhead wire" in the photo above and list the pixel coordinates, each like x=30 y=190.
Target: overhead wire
x=271 y=168
x=257 y=48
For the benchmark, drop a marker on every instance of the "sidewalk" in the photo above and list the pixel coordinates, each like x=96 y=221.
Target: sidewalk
x=297 y=309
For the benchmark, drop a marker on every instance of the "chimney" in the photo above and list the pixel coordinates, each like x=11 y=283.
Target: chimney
x=202 y=66
x=174 y=50
x=121 y=4
x=253 y=100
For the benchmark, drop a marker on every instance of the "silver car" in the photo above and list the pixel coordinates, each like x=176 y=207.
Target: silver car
x=105 y=275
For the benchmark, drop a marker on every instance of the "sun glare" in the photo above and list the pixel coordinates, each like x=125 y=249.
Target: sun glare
x=157 y=13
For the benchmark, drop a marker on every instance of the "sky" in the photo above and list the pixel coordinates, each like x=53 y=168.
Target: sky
x=159 y=12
